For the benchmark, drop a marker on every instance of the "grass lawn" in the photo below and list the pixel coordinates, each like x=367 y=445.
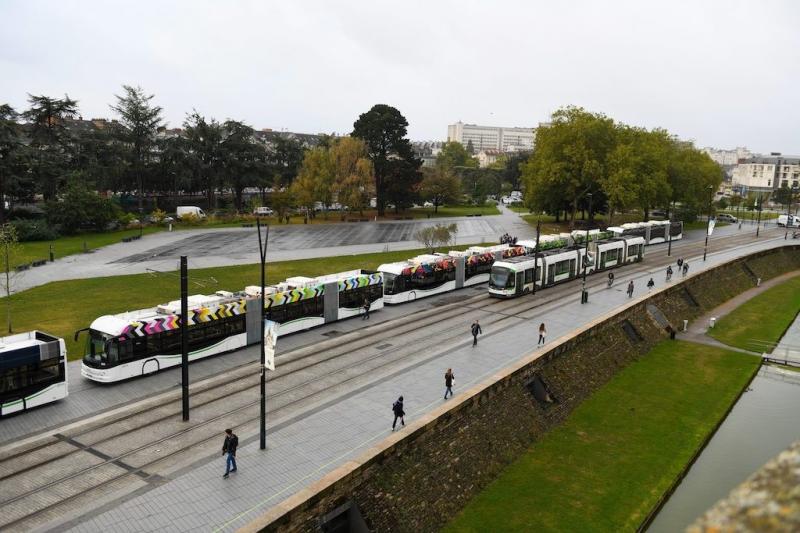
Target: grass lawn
x=605 y=468
x=549 y=224
x=455 y=211
x=63 y=246
x=63 y=307
x=763 y=318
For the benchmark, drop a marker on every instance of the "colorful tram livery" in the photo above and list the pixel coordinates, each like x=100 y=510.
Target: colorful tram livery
x=33 y=371
x=430 y=274
x=145 y=341
x=516 y=276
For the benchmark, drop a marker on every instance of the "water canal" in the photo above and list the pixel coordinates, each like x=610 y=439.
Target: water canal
x=764 y=422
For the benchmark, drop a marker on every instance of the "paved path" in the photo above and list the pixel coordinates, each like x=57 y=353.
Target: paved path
x=301 y=451
x=231 y=246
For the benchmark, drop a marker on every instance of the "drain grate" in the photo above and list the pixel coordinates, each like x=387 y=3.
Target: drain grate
x=331 y=333
x=384 y=346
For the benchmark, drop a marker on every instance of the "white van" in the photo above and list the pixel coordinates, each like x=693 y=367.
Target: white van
x=186 y=210
x=263 y=211
x=794 y=221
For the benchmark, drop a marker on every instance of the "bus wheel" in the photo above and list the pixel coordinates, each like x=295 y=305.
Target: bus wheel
x=526 y=291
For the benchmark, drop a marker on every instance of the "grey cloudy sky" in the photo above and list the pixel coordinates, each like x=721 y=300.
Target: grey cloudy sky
x=724 y=73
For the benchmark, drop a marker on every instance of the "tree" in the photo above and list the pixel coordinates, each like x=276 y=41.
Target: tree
x=353 y=173
x=439 y=235
x=204 y=140
x=241 y=158
x=139 y=122
x=439 y=186
x=9 y=256
x=50 y=140
x=383 y=130
x=285 y=156
x=570 y=161
x=10 y=148
x=80 y=208
x=314 y=182
x=470 y=147
x=454 y=155
x=783 y=196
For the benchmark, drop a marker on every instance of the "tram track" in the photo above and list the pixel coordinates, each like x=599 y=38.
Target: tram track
x=454 y=311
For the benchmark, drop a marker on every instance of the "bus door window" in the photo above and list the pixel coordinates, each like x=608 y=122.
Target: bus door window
x=529 y=276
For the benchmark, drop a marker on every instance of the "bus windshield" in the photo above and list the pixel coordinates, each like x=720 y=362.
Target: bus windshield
x=96 y=349
x=501 y=278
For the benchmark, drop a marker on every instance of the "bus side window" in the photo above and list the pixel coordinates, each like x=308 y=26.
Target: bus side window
x=529 y=275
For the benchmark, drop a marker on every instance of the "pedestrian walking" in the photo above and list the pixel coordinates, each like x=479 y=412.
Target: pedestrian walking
x=449 y=380
x=685 y=269
x=680 y=262
x=610 y=279
x=229 y=447
x=542 y=334
x=366 y=309
x=397 y=409
x=630 y=289
x=476 y=330
x=650 y=285
x=669 y=272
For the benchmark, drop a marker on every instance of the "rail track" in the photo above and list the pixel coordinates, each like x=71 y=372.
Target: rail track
x=70 y=470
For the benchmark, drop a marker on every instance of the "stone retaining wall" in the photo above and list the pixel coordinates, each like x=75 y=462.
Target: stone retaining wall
x=416 y=480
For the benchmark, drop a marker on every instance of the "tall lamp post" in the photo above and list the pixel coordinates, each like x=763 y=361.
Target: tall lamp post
x=758 y=208
x=708 y=225
x=262 y=249
x=584 y=294
x=536 y=250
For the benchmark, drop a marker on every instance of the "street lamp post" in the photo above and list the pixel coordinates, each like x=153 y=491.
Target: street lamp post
x=708 y=225
x=584 y=294
x=758 y=208
x=669 y=230
x=184 y=339
x=262 y=248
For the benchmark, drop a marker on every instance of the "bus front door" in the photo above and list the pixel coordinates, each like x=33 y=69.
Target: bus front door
x=520 y=283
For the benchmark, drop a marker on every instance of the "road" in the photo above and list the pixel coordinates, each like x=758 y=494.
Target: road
x=137 y=464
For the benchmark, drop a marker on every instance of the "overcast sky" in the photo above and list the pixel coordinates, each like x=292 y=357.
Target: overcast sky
x=722 y=73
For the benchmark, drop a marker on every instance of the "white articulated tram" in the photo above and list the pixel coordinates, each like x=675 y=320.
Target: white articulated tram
x=516 y=276
x=430 y=274
x=142 y=342
x=33 y=371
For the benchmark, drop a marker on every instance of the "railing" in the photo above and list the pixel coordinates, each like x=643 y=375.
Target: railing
x=774 y=352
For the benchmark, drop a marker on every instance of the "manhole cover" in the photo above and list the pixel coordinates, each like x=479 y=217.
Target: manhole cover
x=384 y=346
x=331 y=333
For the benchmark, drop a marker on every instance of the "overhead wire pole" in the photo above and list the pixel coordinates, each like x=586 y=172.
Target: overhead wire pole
x=708 y=224
x=536 y=249
x=758 y=207
x=185 y=338
x=262 y=249
x=585 y=260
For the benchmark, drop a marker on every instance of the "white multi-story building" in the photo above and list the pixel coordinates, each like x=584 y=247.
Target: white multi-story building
x=491 y=137
x=767 y=173
x=728 y=157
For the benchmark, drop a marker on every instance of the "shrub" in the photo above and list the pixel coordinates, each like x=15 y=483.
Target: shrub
x=81 y=208
x=126 y=219
x=34 y=230
x=158 y=216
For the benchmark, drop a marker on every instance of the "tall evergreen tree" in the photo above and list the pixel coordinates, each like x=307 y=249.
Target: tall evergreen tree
x=383 y=128
x=10 y=146
x=204 y=141
x=51 y=141
x=139 y=122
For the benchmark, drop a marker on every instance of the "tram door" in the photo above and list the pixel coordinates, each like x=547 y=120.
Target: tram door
x=520 y=282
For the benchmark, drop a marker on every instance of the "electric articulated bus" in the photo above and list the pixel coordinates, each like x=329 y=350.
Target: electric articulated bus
x=141 y=342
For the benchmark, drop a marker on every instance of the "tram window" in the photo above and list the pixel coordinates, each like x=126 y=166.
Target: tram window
x=611 y=255
x=529 y=276
x=562 y=267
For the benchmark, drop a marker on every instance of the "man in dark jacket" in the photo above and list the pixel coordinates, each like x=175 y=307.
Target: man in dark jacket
x=229 y=447
x=476 y=330
x=397 y=409
x=366 y=307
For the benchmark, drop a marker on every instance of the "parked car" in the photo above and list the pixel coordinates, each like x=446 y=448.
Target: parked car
x=263 y=212
x=189 y=210
x=427 y=204
x=725 y=217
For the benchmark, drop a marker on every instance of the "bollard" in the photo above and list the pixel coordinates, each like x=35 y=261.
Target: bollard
x=711 y=322
x=758 y=282
x=52 y=254
x=685 y=325
x=170 y=226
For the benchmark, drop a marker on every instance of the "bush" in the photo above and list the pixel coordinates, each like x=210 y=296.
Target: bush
x=126 y=219
x=686 y=213
x=27 y=212
x=79 y=209
x=34 y=230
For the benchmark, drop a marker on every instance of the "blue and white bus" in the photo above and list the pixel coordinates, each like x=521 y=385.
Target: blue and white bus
x=33 y=371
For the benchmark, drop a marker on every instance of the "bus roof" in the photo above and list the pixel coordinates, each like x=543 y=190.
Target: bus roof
x=23 y=340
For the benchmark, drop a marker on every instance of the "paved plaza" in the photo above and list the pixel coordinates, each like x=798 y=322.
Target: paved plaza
x=231 y=246
x=303 y=449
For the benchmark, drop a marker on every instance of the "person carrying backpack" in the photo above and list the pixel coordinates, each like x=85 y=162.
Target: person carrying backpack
x=397 y=409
